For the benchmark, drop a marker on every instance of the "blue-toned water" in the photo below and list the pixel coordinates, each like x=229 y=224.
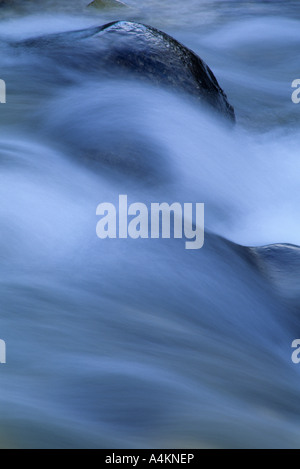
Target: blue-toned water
x=141 y=343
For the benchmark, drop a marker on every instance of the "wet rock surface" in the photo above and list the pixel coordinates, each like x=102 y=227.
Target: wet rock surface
x=142 y=51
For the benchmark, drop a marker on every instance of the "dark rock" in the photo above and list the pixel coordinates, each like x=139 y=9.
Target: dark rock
x=107 y=4
x=280 y=263
x=143 y=51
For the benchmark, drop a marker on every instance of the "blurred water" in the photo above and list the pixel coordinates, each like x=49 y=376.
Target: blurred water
x=140 y=343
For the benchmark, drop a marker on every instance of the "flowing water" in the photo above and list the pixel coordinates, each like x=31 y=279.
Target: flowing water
x=141 y=343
